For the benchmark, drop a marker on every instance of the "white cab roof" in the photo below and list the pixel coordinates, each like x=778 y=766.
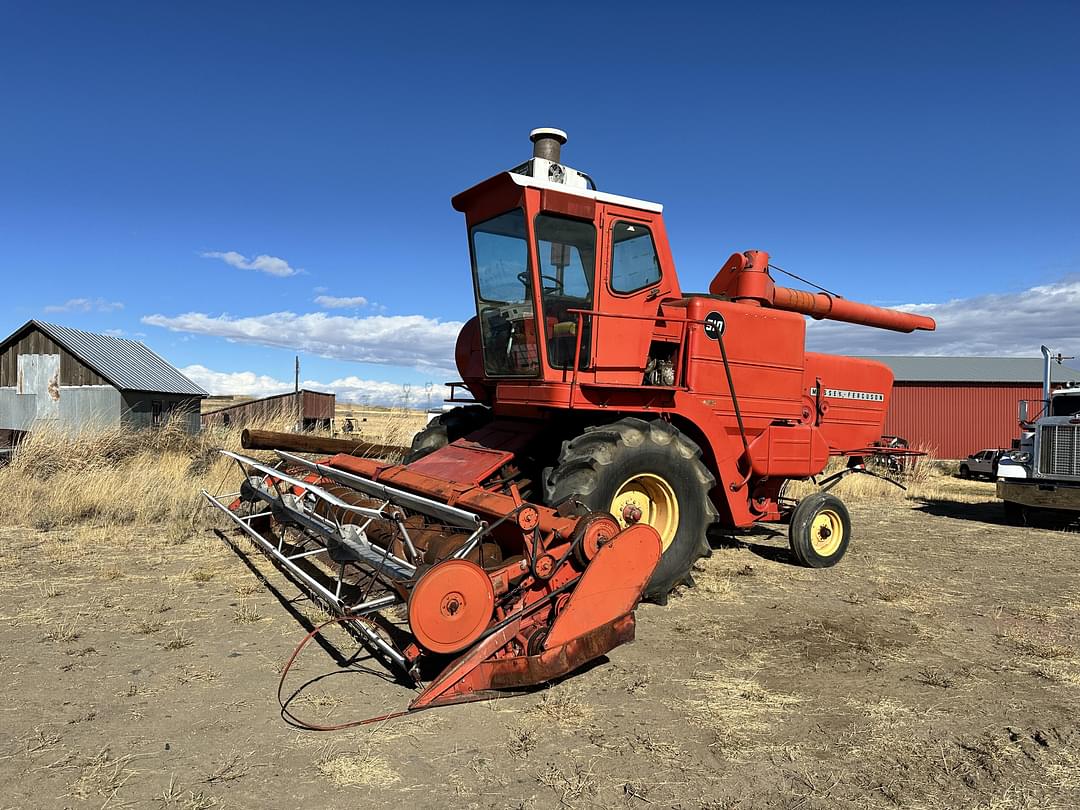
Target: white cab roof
x=599 y=196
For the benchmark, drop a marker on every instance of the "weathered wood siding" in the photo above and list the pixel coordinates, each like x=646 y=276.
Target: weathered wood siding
x=72 y=371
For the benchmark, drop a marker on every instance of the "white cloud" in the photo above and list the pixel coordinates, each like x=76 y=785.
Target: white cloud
x=395 y=340
x=272 y=265
x=995 y=324
x=333 y=302
x=85 y=305
x=347 y=389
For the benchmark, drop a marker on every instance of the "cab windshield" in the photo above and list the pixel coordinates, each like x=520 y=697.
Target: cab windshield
x=1065 y=405
x=500 y=256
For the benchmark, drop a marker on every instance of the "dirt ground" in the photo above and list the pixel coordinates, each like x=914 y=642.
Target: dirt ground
x=937 y=666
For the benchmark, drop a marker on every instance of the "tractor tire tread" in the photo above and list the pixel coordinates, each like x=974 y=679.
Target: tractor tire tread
x=446 y=428
x=583 y=459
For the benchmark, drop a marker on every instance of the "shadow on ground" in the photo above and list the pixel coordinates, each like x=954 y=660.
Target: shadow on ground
x=766 y=541
x=993 y=513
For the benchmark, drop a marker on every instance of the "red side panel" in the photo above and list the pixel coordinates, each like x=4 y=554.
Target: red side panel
x=765 y=350
x=462 y=462
x=853 y=398
x=794 y=451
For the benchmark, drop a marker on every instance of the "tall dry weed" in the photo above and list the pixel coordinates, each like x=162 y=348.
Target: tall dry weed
x=120 y=476
x=924 y=478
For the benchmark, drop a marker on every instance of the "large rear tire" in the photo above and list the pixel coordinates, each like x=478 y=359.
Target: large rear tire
x=642 y=472
x=445 y=428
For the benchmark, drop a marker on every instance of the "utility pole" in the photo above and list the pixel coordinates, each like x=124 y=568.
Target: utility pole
x=406 y=390
x=299 y=402
x=427 y=390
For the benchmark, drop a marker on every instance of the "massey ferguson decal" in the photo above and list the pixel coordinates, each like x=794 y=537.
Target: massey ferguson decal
x=839 y=393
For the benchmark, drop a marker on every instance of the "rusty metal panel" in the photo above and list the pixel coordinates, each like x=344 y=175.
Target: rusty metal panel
x=953 y=421
x=39 y=374
x=318 y=405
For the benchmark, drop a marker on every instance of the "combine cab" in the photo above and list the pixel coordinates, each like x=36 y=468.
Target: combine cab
x=608 y=420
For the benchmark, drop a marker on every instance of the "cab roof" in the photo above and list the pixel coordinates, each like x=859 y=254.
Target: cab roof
x=463 y=201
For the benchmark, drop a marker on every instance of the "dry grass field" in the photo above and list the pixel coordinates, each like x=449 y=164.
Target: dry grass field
x=380 y=425
x=937 y=666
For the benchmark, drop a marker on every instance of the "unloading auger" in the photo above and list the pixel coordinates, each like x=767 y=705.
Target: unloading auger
x=498 y=593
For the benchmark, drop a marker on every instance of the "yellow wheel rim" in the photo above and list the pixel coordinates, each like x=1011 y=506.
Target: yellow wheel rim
x=648 y=498
x=826 y=532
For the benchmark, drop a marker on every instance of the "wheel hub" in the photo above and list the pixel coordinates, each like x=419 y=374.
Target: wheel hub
x=826 y=532
x=647 y=498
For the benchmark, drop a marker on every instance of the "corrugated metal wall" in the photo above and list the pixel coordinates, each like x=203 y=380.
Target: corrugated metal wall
x=953 y=420
x=86 y=406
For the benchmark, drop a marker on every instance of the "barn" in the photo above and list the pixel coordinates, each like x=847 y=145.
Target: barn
x=955 y=406
x=76 y=379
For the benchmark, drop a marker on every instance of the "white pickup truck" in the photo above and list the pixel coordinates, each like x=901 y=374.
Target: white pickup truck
x=984 y=464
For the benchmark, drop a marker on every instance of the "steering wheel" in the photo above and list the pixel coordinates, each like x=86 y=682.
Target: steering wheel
x=556 y=285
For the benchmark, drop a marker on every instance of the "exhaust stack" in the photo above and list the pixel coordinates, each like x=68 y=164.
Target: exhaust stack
x=546 y=161
x=1047 y=358
x=547 y=143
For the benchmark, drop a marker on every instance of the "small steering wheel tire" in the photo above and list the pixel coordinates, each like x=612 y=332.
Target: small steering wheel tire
x=820 y=530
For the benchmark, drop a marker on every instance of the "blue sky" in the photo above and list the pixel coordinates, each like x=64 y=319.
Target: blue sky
x=914 y=154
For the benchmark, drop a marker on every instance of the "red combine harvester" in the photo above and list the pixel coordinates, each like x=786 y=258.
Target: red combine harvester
x=611 y=420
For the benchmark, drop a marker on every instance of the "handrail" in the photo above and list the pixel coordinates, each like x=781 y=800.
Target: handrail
x=627 y=316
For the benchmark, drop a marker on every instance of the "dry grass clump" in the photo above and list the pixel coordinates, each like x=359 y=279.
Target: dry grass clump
x=363 y=768
x=563 y=706
x=925 y=478
x=112 y=476
x=101 y=776
x=397 y=428
x=118 y=475
x=741 y=711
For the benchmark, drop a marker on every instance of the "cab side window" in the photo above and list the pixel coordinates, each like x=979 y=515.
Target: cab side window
x=634 y=263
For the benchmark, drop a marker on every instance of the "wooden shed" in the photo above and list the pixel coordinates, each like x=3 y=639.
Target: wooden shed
x=314 y=410
x=63 y=376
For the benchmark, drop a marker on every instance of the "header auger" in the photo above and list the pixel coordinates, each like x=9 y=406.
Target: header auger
x=611 y=420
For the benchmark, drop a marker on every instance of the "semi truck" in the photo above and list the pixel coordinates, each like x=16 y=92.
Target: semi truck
x=1043 y=472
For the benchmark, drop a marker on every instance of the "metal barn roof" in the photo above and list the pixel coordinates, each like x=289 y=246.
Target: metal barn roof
x=975 y=369
x=127 y=364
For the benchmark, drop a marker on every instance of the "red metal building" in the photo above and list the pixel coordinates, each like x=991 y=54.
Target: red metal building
x=955 y=406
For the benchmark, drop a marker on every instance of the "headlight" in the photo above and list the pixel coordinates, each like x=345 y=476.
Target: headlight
x=1017 y=458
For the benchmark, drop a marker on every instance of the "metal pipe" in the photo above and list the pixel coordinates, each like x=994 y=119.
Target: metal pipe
x=825 y=306
x=745 y=278
x=1046 y=380
x=252 y=439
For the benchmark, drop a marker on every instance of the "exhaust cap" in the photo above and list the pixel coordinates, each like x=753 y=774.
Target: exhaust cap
x=547 y=143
